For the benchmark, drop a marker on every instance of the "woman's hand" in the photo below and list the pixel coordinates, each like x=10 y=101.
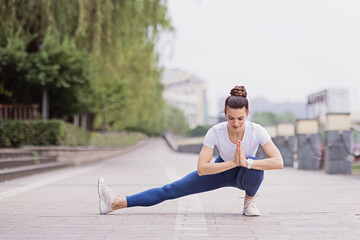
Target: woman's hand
x=239 y=158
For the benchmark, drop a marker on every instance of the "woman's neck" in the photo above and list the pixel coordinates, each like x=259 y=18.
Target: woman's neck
x=236 y=135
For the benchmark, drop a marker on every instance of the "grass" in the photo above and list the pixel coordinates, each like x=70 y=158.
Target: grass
x=115 y=139
x=355 y=169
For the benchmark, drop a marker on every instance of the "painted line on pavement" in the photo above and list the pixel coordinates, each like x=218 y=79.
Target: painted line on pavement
x=192 y=203
x=31 y=186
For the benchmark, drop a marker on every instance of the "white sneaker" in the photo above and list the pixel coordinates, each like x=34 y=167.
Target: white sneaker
x=106 y=197
x=250 y=208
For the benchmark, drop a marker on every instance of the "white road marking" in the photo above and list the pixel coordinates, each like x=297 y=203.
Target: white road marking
x=186 y=205
x=31 y=186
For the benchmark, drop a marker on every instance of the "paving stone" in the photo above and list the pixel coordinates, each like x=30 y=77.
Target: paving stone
x=295 y=204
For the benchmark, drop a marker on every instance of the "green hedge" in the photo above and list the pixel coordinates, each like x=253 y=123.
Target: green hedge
x=39 y=132
x=199 y=131
x=115 y=139
x=71 y=135
x=57 y=132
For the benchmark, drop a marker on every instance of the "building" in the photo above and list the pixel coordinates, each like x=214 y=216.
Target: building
x=328 y=101
x=188 y=93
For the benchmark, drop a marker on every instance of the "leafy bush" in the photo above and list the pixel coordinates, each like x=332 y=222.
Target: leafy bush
x=71 y=135
x=170 y=119
x=39 y=132
x=199 y=131
x=115 y=139
x=57 y=132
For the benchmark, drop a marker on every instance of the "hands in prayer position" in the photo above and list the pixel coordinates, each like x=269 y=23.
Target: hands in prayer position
x=239 y=158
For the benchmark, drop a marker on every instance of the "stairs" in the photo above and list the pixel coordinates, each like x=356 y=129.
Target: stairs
x=20 y=163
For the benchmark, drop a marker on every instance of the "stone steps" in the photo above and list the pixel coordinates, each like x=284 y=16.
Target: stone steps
x=15 y=153
x=16 y=164
x=24 y=161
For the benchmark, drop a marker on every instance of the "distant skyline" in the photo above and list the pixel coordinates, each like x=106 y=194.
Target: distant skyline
x=282 y=50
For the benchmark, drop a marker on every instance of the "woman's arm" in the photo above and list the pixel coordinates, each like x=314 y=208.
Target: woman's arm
x=207 y=168
x=275 y=160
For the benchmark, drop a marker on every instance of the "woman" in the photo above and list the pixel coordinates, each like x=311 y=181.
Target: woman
x=237 y=140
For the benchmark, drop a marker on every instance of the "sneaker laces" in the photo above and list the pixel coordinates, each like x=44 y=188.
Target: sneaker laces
x=250 y=202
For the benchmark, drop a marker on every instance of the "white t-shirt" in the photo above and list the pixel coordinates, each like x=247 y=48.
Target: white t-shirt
x=254 y=135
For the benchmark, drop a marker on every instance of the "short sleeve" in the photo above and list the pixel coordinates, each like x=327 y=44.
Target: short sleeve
x=210 y=139
x=262 y=135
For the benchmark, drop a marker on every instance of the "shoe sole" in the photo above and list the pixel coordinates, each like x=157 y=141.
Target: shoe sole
x=102 y=206
x=251 y=215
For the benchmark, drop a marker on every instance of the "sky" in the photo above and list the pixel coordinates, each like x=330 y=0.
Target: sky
x=282 y=50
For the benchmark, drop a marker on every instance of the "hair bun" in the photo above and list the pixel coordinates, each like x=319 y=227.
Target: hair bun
x=238 y=91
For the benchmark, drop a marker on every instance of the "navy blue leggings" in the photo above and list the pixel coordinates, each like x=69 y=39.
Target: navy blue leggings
x=239 y=177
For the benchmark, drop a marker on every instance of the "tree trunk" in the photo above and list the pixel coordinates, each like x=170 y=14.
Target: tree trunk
x=45 y=103
x=103 y=117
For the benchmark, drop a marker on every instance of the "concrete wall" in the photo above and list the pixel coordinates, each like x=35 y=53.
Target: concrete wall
x=286 y=148
x=337 y=159
x=308 y=151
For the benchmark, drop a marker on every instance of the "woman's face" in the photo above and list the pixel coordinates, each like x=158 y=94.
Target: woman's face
x=236 y=117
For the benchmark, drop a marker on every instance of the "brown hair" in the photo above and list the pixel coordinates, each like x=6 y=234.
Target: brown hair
x=237 y=98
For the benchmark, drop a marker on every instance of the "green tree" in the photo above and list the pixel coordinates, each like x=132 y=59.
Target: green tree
x=110 y=96
x=287 y=117
x=270 y=118
x=176 y=120
x=265 y=118
x=58 y=67
x=120 y=38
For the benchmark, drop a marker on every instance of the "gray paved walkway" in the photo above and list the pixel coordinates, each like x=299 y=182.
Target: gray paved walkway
x=64 y=205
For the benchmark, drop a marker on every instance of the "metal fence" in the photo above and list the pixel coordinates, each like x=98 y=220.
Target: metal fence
x=19 y=111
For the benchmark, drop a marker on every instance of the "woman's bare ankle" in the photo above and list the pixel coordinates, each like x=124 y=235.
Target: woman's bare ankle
x=119 y=202
x=248 y=197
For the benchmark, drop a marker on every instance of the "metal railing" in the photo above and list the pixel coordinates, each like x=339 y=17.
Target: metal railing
x=19 y=111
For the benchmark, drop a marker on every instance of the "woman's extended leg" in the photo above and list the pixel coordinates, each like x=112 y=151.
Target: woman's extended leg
x=190 y=184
